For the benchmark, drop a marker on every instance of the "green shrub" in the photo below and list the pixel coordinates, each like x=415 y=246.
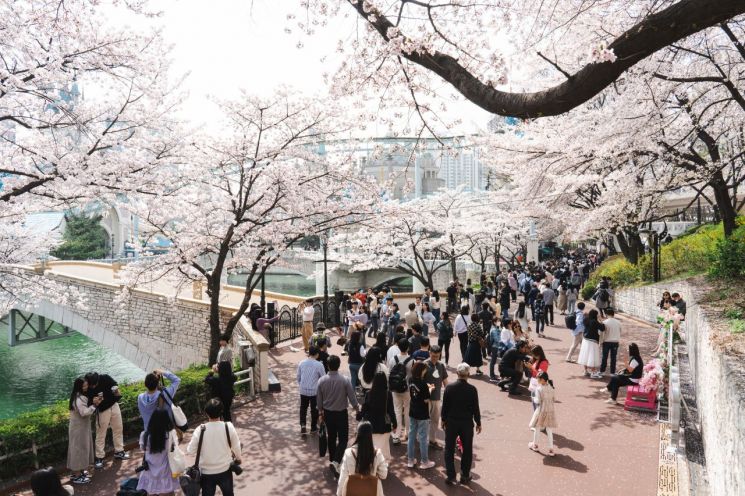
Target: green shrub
x=47 y=427
x=728 y=257
x=587 y=291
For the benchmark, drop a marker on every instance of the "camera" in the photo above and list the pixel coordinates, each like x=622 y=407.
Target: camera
x=235 y=468
x=144 y=466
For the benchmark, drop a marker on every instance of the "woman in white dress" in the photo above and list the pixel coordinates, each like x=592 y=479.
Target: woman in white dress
x=589 y=353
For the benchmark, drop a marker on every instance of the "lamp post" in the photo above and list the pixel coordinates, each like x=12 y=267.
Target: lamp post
x=325 y=260
x=262 y=300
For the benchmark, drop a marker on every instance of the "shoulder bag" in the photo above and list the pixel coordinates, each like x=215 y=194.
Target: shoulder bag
x=362 y=484
x=191 y=480
x=234 y=466
x=179 y=417
x=176 y=459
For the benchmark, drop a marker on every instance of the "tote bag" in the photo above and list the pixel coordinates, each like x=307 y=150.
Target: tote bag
x=179 y=417
x=176 y=459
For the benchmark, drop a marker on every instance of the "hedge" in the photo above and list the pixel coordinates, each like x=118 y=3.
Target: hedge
x=46 y=429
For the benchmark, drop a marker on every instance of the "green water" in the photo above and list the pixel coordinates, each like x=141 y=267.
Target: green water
x=290 y=284
x=38 y=374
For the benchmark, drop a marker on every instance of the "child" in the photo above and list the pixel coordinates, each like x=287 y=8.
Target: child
x=544 y=416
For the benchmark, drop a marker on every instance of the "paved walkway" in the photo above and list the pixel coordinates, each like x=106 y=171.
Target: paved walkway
x=601 y=449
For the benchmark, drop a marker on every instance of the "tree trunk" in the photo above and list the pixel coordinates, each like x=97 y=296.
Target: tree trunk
x=724 y=203
x=453 y=266
x=629 y=250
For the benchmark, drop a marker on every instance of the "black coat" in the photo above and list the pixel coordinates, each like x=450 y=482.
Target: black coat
x=375 y=414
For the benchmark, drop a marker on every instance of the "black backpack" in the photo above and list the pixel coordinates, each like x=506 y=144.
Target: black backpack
x=571 y=321
x=397 y=376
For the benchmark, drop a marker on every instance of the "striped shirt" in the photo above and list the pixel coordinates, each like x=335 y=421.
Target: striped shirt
x=309 y=371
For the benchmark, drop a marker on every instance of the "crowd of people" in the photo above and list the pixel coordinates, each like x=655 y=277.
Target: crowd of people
x=401 y=385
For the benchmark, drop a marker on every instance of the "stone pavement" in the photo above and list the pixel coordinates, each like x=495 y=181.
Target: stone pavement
x=601 y=449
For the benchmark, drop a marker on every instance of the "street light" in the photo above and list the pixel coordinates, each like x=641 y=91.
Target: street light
x=654 y=246
x=325 y=261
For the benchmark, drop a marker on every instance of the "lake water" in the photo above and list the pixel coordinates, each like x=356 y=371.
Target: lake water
x=38 y=374
x=291 y=284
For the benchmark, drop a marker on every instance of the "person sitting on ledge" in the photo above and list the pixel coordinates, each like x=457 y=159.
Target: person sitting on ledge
x=630 y=375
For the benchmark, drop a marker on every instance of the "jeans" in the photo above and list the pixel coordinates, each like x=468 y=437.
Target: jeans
x=493 y=361
x=401 y=408
x=611 y=348
x=306 y=401
x=391 y=331
x=445 y=345
x=570 y=306
x=374 y=321
x=453 y=430
x=337 y=428
x=548 y=316
x=436 y=313
x=463 y=341
x=616 y=383
x=540 y=324
x=210 y=482
x=418 y=431
x=506 y=312
x=354 y=369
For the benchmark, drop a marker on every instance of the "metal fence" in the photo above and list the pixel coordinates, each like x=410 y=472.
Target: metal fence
x=290 y=319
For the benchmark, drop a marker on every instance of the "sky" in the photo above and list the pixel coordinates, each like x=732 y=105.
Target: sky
x=225 y=45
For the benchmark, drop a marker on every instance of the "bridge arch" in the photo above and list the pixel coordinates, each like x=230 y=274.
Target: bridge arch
x=98 y=333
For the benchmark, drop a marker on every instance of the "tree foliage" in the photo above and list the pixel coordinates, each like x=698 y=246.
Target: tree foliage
x=84 y=238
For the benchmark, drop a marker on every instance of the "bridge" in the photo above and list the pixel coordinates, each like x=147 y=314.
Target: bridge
x=158 y=326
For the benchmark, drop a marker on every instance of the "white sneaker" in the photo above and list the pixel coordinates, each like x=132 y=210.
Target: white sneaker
x=611 y=401
x=427 y=465
x=411 y=463
x=603 y=390
x=596 y=375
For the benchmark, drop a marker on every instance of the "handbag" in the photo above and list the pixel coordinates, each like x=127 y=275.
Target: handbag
x=322 y=440
x=362 y=484
x=191 y=480
x=234 y=466
x=176 y=459
x=179 y=417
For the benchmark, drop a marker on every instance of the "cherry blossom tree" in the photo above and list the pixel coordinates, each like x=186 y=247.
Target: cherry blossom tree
x=247 y=194
x=416 y=43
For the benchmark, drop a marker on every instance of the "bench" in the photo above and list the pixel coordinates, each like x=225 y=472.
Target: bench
x=639 y=399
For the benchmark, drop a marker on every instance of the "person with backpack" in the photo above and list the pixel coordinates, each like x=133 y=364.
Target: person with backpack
x=363 y=466
x=400 y=371
x=577 y=326
x=575 y=280
x=437 y=375
x=217 y=448
x=602 y=300
x=445 y=335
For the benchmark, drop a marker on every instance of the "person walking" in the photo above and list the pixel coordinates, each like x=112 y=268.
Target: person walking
x=374 y=308
x=398 y=380
x=108 y=415
x=419 y=391
x=476 y=340
x=462 y=321
x=362 y=458
x=539 y=314
x=611 y=340
x=222 y=386
x=549 y=298
x=436 y=305
x=493 y=340
x=589 y=352
x=356 y=356
x=437 y=375
x=460 y=412
x=309 y=372
x=521 y=316
x=544 y=416
x=220 y=447
x=445 y=335
x=308 y=313
x=372 y=365
x=572 y=300
x=150 y=400
x=333 y=396
x=577 y=332
x=156 y=442
x=378 y=410
x=562 y=300
x=80 y=438
x=504 y=301
x=512 y=283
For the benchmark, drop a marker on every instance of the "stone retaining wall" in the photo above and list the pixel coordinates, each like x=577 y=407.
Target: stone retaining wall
x=718 y=380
